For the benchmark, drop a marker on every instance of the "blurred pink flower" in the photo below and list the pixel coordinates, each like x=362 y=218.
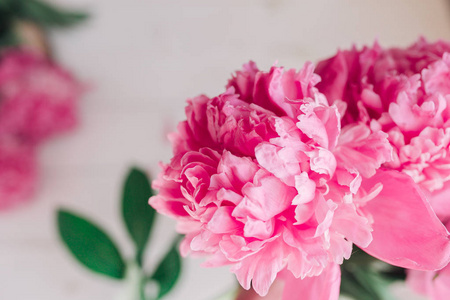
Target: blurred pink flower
x=17 y=171
x=264 y=179
x=37 y=98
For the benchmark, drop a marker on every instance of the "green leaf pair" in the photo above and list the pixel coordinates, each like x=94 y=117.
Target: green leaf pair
x=96 y=250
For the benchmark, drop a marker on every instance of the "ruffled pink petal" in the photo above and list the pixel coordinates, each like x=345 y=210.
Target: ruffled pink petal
x=306 y=189
x=320 y=123
x=334 y=73
x=265 y=198
x=261 y=268
x=239 y=170
x=309 y=258
x=279 y=161
x=406 y=231
x=259 y=229
x=407 y=114
x=350 y=224
x=244 y=81
x=222 y=222
x=167 y=207
x=322 y=161
x=323 y=287
x=363 y=150
x=439 y=200
x=267 y=92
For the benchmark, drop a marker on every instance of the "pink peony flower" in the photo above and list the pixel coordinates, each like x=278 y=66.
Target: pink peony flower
x=17 y=171
x=37 y=98
x=264 y=179
x=403 y=92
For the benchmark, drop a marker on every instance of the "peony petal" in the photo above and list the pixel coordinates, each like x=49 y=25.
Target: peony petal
x=320 y=123
x=406 y=231
x=419 y=281
x=264 y=199
x=261 y=268
x=434 y=285
x=441 y=285
x=439 y=201
x=239 y=170
x=323 y=287
x=275 y=159
x=259 y=229
x=268 y=92
x=244 y=81
x=306 y=189
x=222 y=222
x=322 y=161
x=351 y=225
x=335 y=74
x=363 y=150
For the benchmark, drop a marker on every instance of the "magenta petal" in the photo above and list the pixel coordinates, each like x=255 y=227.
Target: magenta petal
x=323 y=287
x=406 y=231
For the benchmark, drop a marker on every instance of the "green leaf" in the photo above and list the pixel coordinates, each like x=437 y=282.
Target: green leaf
x=91 y=246
x=47 y=15
x=168 y=271
x=137 y=213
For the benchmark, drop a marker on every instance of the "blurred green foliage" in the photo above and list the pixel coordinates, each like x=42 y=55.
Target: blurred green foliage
x=37 y=12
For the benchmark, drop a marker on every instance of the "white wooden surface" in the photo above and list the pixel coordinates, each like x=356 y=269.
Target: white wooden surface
x=144 y=58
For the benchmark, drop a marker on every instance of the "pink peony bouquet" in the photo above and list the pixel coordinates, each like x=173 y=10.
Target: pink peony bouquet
x=38 y=99
x=280 y=176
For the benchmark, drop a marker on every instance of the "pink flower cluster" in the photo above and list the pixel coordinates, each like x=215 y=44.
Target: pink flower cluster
x=403 y=92
x=266 y=179
x=406 y=94
x=38 y=100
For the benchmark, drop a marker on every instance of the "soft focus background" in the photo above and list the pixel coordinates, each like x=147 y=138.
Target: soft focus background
x=143 y=58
